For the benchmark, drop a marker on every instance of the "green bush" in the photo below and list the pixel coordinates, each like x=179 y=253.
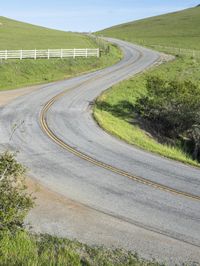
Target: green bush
x=173 y=107
x=15 y=202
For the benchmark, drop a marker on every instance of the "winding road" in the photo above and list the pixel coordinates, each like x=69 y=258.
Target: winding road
x=150 y=204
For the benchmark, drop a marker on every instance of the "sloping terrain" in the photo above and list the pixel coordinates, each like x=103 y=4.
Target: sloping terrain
x=179 y=29
x=21 y=73
x=19 y=35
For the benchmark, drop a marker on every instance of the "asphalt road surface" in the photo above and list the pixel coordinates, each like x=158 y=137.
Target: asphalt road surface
x=139 y=201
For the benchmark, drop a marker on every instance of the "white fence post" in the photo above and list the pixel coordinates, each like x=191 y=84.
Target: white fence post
x=35 y=55
x=74 y=56
x=61 y=53
x=48 y=54
x=21 y=55
x=6 y=54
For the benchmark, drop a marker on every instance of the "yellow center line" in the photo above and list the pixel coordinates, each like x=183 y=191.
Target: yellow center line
x=56 y=139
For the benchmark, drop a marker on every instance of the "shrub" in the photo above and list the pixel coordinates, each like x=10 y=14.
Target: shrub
x=15 y=202
x=173 y=107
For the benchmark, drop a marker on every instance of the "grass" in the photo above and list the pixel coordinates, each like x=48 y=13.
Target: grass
x=114 y=108
x=178 y=29
x=21 y=73
x=18 y=35
x=22 y=248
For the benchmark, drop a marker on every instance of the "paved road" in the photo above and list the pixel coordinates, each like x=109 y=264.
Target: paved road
x=169 y=224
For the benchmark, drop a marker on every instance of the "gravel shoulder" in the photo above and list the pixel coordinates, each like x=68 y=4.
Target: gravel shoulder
x=58 y=215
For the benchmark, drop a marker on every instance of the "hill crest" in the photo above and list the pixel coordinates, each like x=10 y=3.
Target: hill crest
x=179 y=29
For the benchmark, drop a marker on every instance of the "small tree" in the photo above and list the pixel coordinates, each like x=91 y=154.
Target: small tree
x=15 y=202
x=172 y=106
x=194 y=135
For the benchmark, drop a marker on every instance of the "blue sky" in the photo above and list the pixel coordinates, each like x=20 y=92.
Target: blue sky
x=87 y=15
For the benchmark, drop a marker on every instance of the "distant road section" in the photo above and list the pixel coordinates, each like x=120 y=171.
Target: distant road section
x=61 y=144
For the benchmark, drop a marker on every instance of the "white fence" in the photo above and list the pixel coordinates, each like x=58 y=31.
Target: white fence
x=178 y=51
x=50 y=53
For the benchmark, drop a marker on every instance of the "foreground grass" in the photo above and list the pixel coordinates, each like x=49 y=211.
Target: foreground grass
x=21 y=73
x=178 y=29
x=22 y=248
x=114 y=108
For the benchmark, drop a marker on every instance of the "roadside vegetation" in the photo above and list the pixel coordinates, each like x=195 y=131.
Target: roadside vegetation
x=19 y=247
x=158 y=110
x=22 y=73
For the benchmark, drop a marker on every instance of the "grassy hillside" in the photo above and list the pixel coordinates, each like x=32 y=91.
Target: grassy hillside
x=21 y=73
x=18 y=35
x=179 y=29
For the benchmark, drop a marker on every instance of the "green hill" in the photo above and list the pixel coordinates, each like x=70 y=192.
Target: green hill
x=20 y=73
x=19 y=35
x=179 y=29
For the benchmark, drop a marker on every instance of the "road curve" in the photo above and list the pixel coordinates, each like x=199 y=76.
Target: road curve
x=169 y=209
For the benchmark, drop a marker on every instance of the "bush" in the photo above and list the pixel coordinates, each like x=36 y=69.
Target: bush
x=173 y=107
x=14 y=200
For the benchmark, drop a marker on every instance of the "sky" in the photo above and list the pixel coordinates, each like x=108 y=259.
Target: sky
x=87 y=15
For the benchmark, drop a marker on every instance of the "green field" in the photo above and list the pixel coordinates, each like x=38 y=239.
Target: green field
x=21 y=73
x=179 y=29
x=18 y=35
x=113 y=109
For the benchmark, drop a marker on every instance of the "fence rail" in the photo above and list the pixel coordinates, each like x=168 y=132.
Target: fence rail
x=49 y=53
x=178 y=51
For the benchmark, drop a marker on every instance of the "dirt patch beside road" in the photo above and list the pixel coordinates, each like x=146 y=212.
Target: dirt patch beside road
x=8 y=96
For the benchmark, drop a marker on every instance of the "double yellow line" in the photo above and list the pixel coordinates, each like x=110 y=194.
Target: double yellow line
x=57 y=140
